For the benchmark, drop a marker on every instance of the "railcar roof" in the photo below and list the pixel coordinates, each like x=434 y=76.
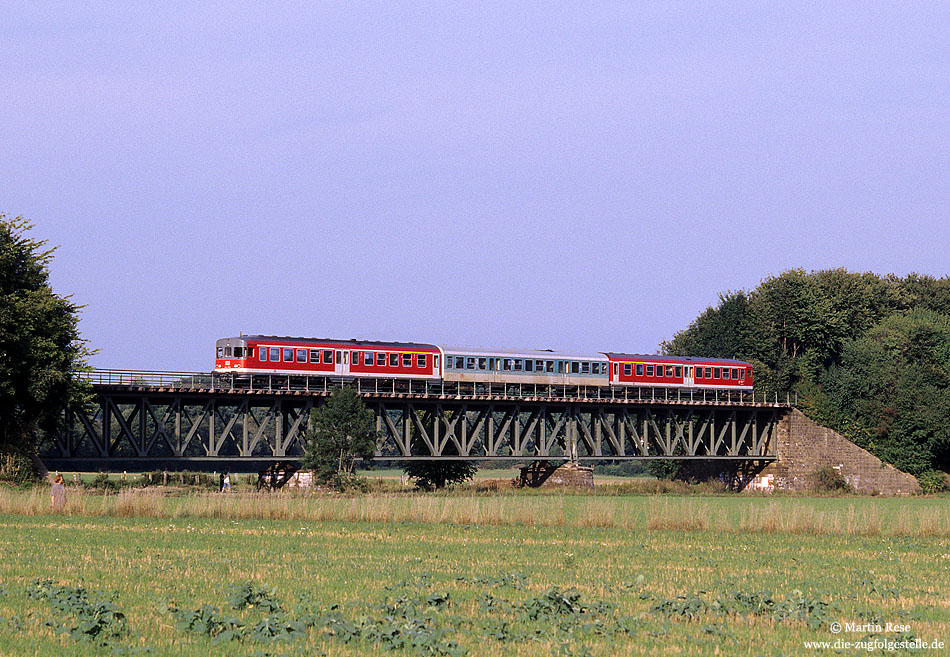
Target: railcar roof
x=673 y=359
x=348 y=343
x=522 y=353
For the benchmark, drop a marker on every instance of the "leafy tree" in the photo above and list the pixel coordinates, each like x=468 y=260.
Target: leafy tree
x=41 y=351
x=434 y=474
x=868 y=356
x=341 y=431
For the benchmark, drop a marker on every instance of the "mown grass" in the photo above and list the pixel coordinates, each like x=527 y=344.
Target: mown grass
x=464 y=574
x=496 y=589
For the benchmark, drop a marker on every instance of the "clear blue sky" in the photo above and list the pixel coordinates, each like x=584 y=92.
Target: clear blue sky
x=572 y=176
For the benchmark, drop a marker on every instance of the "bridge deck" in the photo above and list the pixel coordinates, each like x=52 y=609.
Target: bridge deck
x=145 y=382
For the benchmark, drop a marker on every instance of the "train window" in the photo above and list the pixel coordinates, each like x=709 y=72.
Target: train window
x=482 y=363
x=742 y=374
x=459 y=363
x=250 y=352
x=227 y=352
x=626 y=369
x=679 y=371
x=314 y=355
x=380 y=358
x=560 y=367
x=394 y=360
x=707 y=374
x=649 y=370
x=549 y=366
x=585 y=368
x=506 y=364
x=669 y=370
x=470 y=363
x=528 y=365
x=407 y=360
x=616 y=369
x=725 y=373
x=519 y=363
x=262 y=354
x=275 y=353
x=239 y=352
x=716 y=372
x=435 y=362
x=575 y=367
x=328 y=357
x=639 y=369
x=301 y=355
x=735 y=373
x=421 y=361
x=220 y=353
x=288 y=355
x=368 y=358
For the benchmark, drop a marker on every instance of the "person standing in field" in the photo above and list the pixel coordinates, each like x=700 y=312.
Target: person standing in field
x=58 y=494
x=227 y=482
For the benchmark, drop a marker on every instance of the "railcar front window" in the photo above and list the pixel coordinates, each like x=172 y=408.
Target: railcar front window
x=220 y=352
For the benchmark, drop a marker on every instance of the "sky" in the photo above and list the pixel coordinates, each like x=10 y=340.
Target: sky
x=576 y=176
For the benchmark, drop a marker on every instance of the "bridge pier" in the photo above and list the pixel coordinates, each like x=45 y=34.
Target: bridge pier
x=802 y=447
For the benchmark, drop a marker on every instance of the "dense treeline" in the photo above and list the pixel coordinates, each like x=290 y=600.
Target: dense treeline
x=868 y=356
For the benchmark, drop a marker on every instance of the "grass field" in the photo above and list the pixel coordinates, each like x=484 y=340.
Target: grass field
x=464 y=574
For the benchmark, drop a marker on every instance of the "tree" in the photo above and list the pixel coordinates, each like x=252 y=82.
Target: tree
x=341 y=431
x=438 y=474
x=41 y=351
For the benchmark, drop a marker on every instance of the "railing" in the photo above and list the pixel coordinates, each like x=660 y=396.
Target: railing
x=229 y=382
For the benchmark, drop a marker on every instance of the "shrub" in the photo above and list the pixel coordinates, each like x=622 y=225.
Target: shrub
x=827 y=479
x=934 y=481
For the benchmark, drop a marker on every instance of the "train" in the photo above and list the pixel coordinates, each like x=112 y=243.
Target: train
x=362 y=359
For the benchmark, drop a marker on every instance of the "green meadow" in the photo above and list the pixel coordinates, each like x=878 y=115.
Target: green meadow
x=466 y=574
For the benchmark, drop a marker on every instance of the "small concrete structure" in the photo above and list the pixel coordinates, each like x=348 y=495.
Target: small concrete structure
x=542 y=474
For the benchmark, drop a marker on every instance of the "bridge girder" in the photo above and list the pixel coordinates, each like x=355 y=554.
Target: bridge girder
x=141 y=426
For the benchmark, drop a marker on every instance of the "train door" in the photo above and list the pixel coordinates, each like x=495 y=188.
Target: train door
x=341 y=363
x=688 y=376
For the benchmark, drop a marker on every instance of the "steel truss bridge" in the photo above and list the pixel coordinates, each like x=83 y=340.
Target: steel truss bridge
x=141 y=419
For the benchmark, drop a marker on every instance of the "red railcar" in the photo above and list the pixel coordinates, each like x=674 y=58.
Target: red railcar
x=679 y=372
x=264 y=354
